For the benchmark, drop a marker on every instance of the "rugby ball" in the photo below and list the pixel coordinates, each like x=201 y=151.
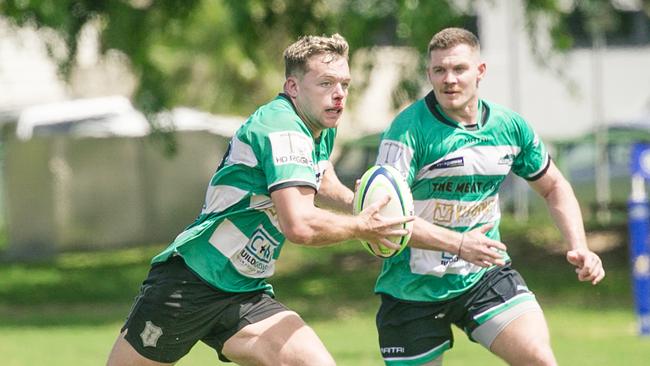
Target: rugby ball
x=377 y=182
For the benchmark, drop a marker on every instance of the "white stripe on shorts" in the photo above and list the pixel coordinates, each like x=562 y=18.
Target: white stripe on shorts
x=488 y=331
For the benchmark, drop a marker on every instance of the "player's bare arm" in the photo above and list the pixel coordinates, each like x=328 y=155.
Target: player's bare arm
x=472 y=246
x=332 y=193
x=565 y=211
x=303 y=223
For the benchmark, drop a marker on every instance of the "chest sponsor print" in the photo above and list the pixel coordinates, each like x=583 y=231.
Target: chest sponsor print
x=255 y=259
x=454 y=214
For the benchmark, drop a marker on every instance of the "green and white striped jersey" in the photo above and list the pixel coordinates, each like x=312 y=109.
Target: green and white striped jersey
x=454 y=172
x=235 y=241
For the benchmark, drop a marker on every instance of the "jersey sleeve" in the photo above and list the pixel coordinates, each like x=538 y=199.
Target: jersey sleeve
x=533 y=159
x=398 y=146
x=286 y=155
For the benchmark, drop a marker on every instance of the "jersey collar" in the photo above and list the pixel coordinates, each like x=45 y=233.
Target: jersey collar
x=432 y=105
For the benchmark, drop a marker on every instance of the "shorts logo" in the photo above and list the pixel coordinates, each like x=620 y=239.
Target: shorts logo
x=392 y=350
x=291 y=147
x=256 y=258
x=150 y=334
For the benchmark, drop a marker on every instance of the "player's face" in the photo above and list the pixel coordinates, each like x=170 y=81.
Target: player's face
x=321 y=93
x=455 y=74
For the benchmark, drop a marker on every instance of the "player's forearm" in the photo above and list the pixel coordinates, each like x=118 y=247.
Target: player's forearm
x=432 y=237
x=320 y=228
x=333 y=194
x=565 y=211
x=338 y=198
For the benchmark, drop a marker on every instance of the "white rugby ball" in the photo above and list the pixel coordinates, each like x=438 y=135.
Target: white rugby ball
x=375 y=183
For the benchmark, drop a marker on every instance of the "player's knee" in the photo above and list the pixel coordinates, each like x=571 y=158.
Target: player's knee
x=311 y=356
x=541 y=355
x=436 y=362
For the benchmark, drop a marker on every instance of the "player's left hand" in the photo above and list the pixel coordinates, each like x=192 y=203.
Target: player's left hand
x=589 y=266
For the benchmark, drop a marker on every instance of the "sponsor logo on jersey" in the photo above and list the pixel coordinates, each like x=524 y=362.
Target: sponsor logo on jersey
x=464 y=187
x=289 y=147
x=465 y=214
x=507 y=159
x=475 y=140
x=449 y=163
x=256 y=257
x=150 y=334
x=447 y=258
x=395 y=154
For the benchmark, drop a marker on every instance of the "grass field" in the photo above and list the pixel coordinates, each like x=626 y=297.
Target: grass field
x=68 y=311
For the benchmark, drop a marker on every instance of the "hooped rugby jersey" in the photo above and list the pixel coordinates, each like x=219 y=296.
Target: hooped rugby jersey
x=454 y=173
x=236 y=239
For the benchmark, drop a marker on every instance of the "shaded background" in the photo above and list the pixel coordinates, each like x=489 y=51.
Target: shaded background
x=91 y=193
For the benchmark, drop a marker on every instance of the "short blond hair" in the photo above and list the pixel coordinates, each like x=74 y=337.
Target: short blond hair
x=298 y=53
x=451 y=37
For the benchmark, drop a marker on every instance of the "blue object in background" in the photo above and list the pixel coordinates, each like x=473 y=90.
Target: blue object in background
x=640 y=160
x=639 y=231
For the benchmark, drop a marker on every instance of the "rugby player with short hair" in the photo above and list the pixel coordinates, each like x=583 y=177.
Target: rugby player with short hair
x=455 y=149
x=210 y=284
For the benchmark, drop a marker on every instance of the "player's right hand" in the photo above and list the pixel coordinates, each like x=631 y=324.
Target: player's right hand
x=376 y=228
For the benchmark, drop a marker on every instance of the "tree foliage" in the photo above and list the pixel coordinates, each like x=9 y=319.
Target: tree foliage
x=225 y=56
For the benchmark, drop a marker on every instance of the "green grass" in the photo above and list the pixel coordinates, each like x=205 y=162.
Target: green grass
x=69 y=311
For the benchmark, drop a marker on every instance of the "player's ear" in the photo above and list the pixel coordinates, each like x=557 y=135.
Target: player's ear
x=291 y=86
x=481 y=72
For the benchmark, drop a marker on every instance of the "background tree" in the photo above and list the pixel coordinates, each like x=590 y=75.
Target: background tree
x=223 y=56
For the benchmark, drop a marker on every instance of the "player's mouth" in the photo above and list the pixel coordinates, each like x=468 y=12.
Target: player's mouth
x=334 y=110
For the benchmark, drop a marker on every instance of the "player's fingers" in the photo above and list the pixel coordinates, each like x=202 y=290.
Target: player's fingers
x=375 y=206
x=495 y=258
x=396 y=221
x=496 y=245
x=395 y=232
x=599 y=277
x=485 y=228
x=389 y=244
x=574 y=257
x=480 y=263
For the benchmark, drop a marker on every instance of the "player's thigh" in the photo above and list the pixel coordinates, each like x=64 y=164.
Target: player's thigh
x=281 y=339
x=124 y=354
x=525 y=341
x=413 y=333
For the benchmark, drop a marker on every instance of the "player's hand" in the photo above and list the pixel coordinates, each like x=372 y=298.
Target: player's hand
x=376 y=228
x=480 y=250
x=589 y=266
